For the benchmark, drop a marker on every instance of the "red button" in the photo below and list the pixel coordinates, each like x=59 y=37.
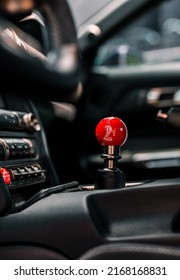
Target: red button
x=111 y=131
x=5 y=175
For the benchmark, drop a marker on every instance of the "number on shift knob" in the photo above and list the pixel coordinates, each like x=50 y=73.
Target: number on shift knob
x=111 y=131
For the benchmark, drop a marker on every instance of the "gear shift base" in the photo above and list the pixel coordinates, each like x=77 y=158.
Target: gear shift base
x=110 y=179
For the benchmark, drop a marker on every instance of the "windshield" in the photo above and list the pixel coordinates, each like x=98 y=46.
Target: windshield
x=83 y=10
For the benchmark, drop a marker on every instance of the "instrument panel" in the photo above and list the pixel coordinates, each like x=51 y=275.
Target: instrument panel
x=20 y=160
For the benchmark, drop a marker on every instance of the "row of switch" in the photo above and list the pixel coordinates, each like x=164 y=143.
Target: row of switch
x=22 y=175
x=16 y=148
x=11 y=120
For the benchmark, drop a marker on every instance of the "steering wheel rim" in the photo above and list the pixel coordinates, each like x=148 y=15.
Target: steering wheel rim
x=57 y=75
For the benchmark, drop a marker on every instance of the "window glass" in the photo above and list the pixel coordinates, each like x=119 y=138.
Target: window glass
x=153 y=38
x=84 y=9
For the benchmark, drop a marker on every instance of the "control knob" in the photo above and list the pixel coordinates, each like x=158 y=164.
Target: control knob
x=31 y=122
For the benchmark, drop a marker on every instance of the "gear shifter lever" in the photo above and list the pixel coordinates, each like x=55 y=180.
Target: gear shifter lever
x=111 y=132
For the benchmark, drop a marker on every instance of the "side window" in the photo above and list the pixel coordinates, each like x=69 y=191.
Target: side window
x=154 y=38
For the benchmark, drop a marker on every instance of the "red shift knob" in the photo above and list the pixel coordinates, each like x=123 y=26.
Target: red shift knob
x=111 y=131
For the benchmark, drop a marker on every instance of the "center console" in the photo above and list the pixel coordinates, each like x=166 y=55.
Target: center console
x=111 y=219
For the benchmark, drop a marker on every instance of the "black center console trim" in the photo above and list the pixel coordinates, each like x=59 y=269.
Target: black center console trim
x=106 y=215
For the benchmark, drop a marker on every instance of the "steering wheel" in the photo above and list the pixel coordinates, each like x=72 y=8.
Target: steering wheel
x=54 y=74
